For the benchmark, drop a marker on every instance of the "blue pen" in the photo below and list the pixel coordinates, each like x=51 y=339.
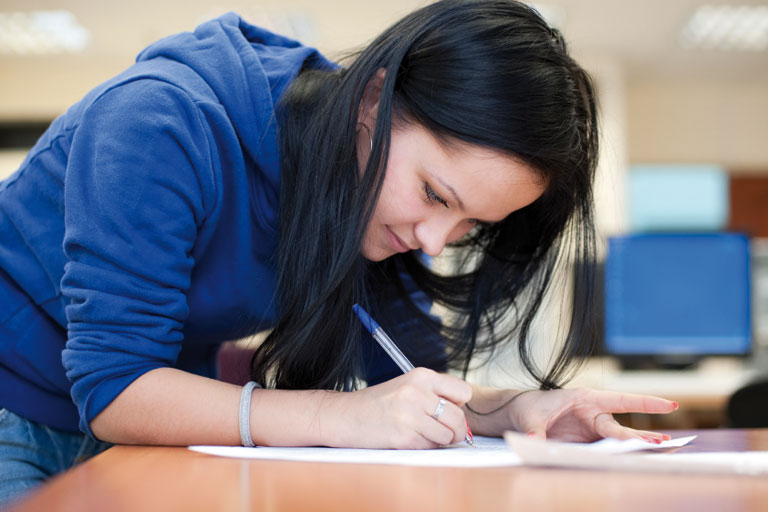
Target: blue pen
x=393 y=351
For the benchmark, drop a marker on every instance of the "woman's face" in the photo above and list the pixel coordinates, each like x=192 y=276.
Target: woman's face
x=434 y=193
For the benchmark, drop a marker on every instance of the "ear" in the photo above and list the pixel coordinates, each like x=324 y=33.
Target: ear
x=369 y=104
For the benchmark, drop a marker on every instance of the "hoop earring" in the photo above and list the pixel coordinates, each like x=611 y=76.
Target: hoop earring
x=368 y=131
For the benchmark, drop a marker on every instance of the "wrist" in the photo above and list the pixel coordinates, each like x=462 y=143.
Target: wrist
x=516 y=409
x=292 y=418
x=328 y=425
x=495 y=411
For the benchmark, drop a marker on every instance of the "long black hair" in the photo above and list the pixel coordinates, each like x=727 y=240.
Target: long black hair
x=485 y=72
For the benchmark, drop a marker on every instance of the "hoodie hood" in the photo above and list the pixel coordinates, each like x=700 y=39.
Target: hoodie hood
x=253 y=67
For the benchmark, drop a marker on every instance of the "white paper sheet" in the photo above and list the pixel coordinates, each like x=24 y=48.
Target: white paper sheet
x=490 y=452
x=553 y=454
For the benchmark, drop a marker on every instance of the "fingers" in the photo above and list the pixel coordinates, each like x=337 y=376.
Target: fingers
x=447 y=386
x=406 y=410
x=449 y=426
x=443 y=430
x=606 y=426
x=538 y=433
x=628 y=402
x=652 y=437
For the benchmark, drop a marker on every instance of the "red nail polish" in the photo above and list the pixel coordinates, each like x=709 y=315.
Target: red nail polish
x=676 y=405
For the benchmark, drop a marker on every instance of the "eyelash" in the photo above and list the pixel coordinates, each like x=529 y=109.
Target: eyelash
x=432 y=196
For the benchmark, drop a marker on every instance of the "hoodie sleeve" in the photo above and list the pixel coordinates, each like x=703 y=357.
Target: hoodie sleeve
x=138 y=186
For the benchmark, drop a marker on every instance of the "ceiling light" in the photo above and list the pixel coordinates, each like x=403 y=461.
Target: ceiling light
x=727 y=27
x=41 y=33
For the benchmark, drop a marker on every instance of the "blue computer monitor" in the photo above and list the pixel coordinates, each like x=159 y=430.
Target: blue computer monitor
x=680 y=296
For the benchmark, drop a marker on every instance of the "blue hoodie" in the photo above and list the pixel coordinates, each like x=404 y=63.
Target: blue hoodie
x=141 y=229
x=144 y=216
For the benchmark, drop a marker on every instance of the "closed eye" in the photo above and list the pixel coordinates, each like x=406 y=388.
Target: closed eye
x=432 y=196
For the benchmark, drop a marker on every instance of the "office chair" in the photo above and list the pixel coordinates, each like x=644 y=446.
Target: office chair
x=748 y=406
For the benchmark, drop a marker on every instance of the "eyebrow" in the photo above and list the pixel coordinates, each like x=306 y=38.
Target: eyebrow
x=451 y=190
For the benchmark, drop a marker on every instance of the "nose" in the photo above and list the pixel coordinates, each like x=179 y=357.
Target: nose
x=433 y=234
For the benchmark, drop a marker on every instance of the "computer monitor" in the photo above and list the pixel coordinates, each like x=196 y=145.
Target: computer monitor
x=674 y=298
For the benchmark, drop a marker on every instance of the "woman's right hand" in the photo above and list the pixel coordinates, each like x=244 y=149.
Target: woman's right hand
x=398 y=413
x=166 y=406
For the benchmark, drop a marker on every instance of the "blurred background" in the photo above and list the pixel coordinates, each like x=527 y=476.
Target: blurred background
x=682 y=189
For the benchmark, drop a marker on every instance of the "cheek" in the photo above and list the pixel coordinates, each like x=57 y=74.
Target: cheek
x=397 y=203
x=373 y=247
x=462 y=229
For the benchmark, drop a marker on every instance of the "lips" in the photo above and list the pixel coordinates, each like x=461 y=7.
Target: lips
x=397 y=244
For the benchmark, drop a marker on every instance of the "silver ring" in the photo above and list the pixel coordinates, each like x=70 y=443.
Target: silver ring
x=440 y=408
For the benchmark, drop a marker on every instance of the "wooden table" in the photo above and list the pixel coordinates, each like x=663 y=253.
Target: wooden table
x=138 y=478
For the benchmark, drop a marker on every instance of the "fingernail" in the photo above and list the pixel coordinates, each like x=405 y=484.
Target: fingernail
x=676 y=405
x=531 y=434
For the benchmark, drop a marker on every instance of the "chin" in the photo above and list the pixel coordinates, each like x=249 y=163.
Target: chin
x=375 y=254
x=372 y=251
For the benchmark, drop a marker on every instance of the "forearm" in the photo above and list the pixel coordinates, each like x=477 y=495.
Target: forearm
x=172 y=407
x=484 y=400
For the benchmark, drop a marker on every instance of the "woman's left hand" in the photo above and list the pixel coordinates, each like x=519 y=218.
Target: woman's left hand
x=584 y=415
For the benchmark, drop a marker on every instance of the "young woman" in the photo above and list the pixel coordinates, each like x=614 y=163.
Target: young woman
x=233 y=180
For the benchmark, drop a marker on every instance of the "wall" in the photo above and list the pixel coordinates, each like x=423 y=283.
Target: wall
x=687 y=120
